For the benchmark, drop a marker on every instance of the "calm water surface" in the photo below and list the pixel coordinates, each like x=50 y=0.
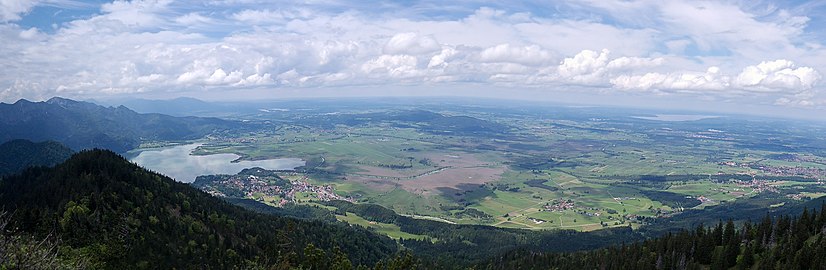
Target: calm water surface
x=176 y=162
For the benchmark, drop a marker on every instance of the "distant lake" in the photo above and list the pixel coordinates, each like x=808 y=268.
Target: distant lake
x=675 y=117
x=178 y=163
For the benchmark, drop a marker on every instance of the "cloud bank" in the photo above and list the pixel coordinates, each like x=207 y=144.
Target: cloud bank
x=700 y=49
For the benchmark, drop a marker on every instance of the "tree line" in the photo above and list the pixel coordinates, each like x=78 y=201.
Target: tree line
x=784 y=242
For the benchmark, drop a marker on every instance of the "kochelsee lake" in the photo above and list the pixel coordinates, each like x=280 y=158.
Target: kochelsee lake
x=179 y=163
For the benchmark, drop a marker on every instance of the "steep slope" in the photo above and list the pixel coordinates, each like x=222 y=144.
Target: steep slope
x=772 y=243
x=118 y=215
x=83 y=125
x=16 y=155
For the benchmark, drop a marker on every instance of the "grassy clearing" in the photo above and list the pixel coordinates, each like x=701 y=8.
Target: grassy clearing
x=404 y=202
x=391 y=230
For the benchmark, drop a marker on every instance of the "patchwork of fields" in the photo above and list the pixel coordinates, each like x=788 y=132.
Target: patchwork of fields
x=530 y=169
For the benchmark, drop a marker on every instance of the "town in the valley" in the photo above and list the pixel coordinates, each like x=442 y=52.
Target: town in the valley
x=271 y=187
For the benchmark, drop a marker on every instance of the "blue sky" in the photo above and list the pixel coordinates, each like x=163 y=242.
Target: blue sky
x=743 y=56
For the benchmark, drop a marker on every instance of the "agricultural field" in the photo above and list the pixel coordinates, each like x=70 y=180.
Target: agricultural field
x=531 y=168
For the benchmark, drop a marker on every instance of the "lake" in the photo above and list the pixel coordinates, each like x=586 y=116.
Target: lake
x=676 y=117
x=178 y=163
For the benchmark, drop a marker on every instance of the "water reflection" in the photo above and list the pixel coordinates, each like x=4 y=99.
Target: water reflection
x=176 y=162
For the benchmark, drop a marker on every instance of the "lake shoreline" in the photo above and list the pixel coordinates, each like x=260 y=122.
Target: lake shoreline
x=178 y=163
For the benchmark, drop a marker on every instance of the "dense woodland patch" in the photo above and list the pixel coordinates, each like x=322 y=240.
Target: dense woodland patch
x=112 y=214
x=772 y=243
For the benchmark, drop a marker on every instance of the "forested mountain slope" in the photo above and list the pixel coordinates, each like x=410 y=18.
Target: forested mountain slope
x=83 y=125
x=772 y=243
x=16 y=155
x=115 y=214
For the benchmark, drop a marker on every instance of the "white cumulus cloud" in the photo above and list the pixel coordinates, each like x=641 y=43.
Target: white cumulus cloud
x=219 y=76
x=531 y=55
x=441 y=59
x=165 y=48
x=411 y=43
x=397 y=66
x=777 y=74
x=257 y=79
x=591 y=67
x=710 y=80
x=10 y=10
x=768 y=76
x=584 y=67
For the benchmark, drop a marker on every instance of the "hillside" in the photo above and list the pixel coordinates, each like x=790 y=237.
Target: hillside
x=117 y=215
x=468 y=244
x=16 y=155
x=772 y=243
x=83 y=125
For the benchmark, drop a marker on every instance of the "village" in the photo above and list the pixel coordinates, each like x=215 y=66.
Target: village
x=759 y=186
x=266 y=186
x=559 y=205
x=810 y=172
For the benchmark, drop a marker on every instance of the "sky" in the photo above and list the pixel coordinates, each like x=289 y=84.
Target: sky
x=739 y=56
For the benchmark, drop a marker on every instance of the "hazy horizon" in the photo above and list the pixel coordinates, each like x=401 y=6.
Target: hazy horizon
x=650 y=108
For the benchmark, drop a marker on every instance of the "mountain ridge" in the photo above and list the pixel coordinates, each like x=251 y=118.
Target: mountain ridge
x=119 y=215
x=84 y=125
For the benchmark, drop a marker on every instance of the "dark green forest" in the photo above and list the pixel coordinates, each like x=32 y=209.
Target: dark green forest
x=104 y=212
x=772 y=243
x=17 y=155
x=470 y=244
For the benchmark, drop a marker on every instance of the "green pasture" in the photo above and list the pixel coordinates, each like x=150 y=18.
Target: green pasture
x=391 y=230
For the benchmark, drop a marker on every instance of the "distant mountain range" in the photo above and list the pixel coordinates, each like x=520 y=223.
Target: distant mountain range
x=17 y=155
x=183 y=106
x=83 y=125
